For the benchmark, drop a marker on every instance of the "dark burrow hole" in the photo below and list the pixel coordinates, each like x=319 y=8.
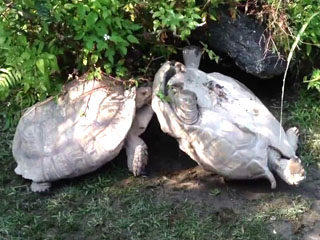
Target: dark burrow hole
x=164 y=153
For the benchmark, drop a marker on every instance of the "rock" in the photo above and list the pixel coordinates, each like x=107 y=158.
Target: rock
x=244 y=40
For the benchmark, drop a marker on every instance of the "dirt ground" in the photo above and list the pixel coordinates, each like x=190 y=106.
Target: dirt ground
x=178 y=177
x=288 y=212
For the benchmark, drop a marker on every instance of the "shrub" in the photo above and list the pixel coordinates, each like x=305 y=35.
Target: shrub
x=43 y=41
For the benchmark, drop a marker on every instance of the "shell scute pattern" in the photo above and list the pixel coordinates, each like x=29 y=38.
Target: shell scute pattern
x=84 y=129
x=235 y=135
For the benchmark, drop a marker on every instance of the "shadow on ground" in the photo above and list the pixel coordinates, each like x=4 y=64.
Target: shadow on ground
x=289 y=212
x=178 y=177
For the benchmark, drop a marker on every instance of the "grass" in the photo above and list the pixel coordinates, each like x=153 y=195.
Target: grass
x=305 y=113
x=111 y=204
x=114 y=206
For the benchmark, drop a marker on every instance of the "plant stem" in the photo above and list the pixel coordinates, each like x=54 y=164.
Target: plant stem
x=292 y=49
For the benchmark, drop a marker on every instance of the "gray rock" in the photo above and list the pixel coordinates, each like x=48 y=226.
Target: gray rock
x=244 y=40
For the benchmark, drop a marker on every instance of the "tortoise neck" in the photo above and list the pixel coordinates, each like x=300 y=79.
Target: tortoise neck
x=191 y=56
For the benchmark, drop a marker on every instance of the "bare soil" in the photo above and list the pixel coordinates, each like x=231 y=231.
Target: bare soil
x=177 y=177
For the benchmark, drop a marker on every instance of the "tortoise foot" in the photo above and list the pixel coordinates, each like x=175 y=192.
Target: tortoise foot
x=293 y=135
x=140 y=160
x=40 y=187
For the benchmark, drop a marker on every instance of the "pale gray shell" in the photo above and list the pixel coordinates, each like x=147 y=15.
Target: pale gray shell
x=74 y=135
x=235 y=130
x=224 y=96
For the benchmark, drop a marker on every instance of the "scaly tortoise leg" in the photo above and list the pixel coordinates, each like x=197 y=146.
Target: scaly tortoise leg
x=137 y=154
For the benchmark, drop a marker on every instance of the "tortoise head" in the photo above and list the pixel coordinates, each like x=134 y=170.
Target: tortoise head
x=143 y=96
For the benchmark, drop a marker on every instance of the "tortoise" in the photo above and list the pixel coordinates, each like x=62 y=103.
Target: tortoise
x=222 y=125
x=84 y=129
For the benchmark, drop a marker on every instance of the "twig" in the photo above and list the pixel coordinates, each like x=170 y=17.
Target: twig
x=152 y=60
x=205 y=6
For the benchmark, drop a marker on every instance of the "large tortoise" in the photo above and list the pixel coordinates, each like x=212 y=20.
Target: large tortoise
x=222 y=125
x=84 y=129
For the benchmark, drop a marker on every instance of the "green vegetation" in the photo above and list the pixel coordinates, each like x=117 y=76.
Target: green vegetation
x=304 y=112
x=42 y=42
x=111 y=204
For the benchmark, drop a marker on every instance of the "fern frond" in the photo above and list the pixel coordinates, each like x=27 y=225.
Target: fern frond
x=9 y=77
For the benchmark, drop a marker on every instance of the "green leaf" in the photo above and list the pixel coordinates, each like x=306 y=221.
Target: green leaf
x=50 y=56
x=2 y=40
x=26 y=87
x=101 y=45
x=41 y=65
x=68 y=6
x=91 y=19
x=106 y=13
x=215 y=192
x=81 y=11
x=100 y=28
x=25 y=55
x=156 y=24
x=108 y=68
x=40 y=48
x=116 y=39
x=110 y=55
x=43 y=87
x=156 y=14
x=94 y=58
x=85 y=61
x=79 y=35
x=309 y=48
x=123 y=50
x=135 y=27
x=89 y=42
x=132 y=39
x=163 y=97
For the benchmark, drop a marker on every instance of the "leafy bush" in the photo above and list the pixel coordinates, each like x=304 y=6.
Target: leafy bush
x=299 y=12
x=103 y=30
x=314 y=81
x=284 y=20
x=43 y=41
x=28 y=57
x=180 y=19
